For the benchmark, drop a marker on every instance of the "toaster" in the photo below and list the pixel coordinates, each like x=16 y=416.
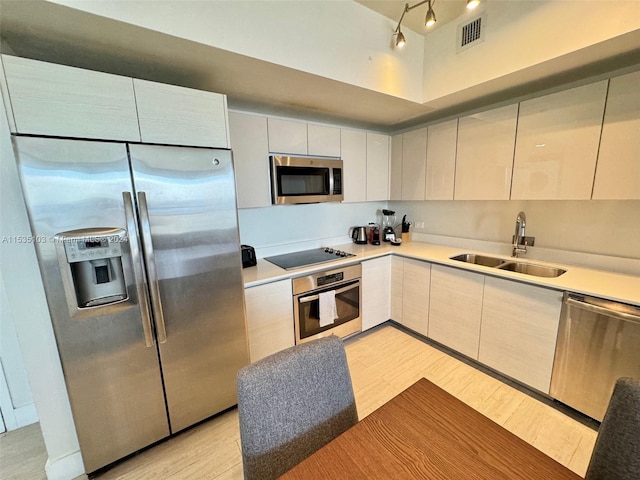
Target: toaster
x=248 y=256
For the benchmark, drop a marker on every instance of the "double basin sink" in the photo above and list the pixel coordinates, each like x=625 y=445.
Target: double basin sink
x=510 y=265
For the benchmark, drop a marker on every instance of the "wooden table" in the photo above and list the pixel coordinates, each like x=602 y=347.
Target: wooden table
x=427 y=433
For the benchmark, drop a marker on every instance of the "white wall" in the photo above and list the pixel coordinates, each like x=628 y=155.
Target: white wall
x=603 y=227
x=518 y=35
x=27 y=303
x=337 y=39
x=287 y=228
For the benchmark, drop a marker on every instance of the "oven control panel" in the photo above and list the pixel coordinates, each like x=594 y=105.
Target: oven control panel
x=326 y=277
x=329 y=279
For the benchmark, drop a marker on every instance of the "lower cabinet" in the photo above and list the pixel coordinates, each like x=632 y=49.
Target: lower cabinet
x=416 y=277
x=376 y=283
x=397 y=270
x=519 y=330
x=269 y=318
x=455 y=309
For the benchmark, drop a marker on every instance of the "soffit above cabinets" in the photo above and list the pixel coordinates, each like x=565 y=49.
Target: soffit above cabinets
x=54 y=33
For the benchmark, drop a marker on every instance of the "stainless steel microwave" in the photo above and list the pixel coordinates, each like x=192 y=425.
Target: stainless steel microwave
x=305 y=179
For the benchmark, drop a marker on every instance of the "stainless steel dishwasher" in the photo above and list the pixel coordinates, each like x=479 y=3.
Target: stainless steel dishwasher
x=598 y=342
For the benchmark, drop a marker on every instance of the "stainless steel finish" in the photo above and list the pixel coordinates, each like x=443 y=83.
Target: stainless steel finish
x=117 y=386
x=509 y=265
x=138 y=270
x=310 y=282
x=112 y=379
x=532 y=269
x=191 y=200
x=519 y=244
x=307 y=289
x=311 y=298
x=598 y=342
x=479 y=259
x=150 y=261
x=316 y=162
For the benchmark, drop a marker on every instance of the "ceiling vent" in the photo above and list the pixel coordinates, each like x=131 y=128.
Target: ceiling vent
x=470 y=33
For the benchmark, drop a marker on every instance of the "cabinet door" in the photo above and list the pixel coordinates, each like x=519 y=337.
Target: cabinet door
x=251 y=159
x=441 y=160
x=181 y=116
x=354 y=157
x=557 y=145
x=376 y=289
x=618 y=169
x=397 y=274
x=395 y=168
x=377 y=167
x=455 y=309
x=50 y=99
x=519 y=330
x=415 y=295
x=484 y=158
x=414 y=164
x=287 y=136
x=323 y=141
x=269 y=318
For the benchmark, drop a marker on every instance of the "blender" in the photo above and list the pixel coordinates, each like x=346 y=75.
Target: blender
x=388 y=222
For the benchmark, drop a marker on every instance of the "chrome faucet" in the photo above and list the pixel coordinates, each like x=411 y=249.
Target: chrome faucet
x=519 y=239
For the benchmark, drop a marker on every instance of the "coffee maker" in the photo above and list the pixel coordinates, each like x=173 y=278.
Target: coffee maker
x=388 y=222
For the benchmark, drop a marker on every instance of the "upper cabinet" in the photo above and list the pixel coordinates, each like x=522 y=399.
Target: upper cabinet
x=251 y=159
x=56 y=100
x=181 y=116
x=557 y=146
x=395 y=168
x=354 y=157
x=441 y=160
x=377 y=167
x=287 y=136
x=414 y=164
x=618 y=169
x=298 y=138
x=323 y=141
x=485 y=154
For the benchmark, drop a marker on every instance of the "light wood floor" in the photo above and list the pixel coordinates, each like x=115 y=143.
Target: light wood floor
x=383 y=362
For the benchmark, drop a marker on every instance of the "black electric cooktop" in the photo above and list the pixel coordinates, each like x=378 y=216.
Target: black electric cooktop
x=289 y=261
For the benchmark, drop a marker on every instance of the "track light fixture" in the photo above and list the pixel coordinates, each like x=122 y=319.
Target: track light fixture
x=429 y=19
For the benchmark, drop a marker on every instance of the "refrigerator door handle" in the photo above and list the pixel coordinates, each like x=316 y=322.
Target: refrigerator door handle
x=138 y=269
x=150 y=259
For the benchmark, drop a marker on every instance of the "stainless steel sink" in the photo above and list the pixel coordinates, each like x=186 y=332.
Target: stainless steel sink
x=479 y=259
x=532 y=269
x=510 y=265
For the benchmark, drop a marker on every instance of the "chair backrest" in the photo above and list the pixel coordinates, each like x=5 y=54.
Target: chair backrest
x=292 y=403
x=616 y=455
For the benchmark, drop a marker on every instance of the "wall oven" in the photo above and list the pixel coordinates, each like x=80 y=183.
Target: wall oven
x=327 y=303
x=305 y=180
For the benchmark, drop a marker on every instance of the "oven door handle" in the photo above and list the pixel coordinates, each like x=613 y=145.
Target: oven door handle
x=311 y=298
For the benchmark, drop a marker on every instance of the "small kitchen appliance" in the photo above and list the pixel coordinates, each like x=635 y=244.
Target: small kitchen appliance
x=359 y=235
x=248 y=256
x=374 y=234
x=388 y=222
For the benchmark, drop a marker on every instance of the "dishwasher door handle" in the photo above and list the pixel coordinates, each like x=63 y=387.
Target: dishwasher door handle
x=630 y=317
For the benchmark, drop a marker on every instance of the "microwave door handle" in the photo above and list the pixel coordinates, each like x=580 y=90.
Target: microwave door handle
x=138 y=269
x=311 y=298
x=149 y=256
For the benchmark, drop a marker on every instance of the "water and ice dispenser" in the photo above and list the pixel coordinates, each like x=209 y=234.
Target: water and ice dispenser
x=94 y=256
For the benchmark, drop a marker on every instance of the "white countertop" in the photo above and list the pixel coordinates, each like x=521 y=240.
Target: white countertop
x=599 y=283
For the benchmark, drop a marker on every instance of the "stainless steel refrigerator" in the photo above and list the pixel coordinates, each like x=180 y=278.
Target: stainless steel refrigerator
x=140 y=258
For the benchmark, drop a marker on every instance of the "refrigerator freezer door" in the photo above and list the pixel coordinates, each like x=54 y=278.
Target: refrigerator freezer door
x=112 y=377
x=195 y=248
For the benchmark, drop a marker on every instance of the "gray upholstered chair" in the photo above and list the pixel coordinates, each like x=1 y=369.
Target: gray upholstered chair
x=292 y=403
x=616 y=455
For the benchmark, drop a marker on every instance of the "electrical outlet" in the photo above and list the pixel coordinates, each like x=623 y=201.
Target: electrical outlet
x=419 y=224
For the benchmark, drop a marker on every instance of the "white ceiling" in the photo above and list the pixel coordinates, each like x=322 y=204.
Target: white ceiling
x=51 y=32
